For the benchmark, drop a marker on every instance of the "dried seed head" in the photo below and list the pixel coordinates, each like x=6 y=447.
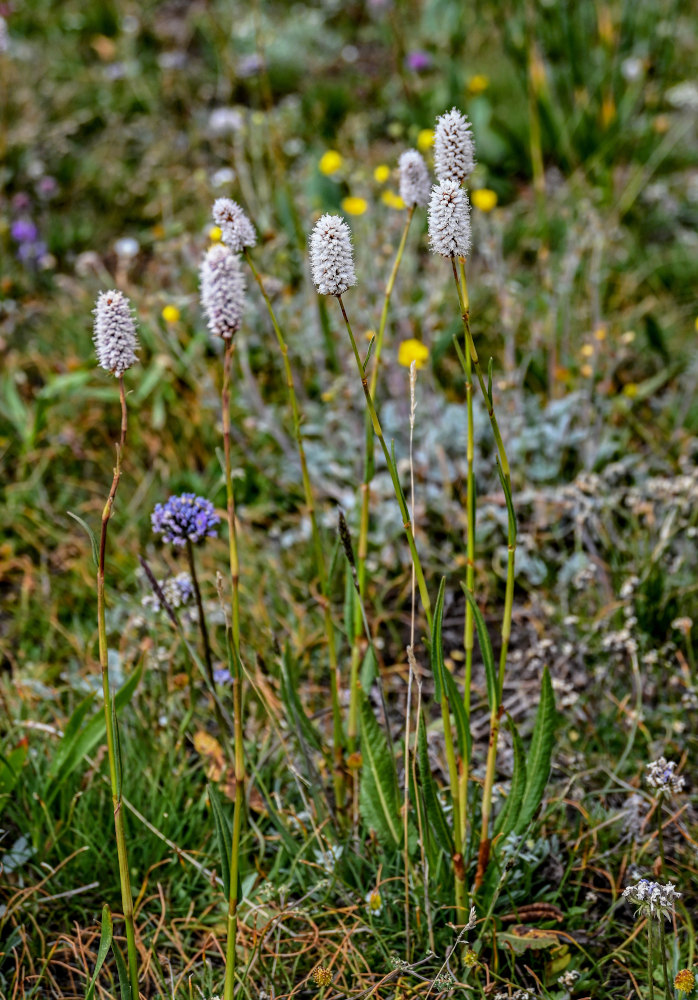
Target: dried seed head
x=115 y=333
x=222 y=290
x=454 y=150
x=414 y=178
x=331 y=258
x=238 y=232
x=449 y=220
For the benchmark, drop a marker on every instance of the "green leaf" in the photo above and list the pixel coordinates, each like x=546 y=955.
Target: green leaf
x=437 y=649
x=436 y=820
x=369 y=669
x=80 y=740
x=379 y=799
x=539 y=756
x=104 y=945
x=224 y=836
x=511 y=513
x=369 y=352
x=485 y=649
x=124 y=982
x=455 y=703
x=292 y=702
x=506 y=821
x=90 y=533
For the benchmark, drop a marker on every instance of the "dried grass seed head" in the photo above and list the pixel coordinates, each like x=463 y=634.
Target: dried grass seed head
x=222 y=290
x=236 y=229
x=114 y=335
x=331 y=256
x=449 y=220
x=415 y=182
x=454 y=149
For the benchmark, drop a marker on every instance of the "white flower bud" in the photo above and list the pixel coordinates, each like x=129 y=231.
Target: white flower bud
x=454 y=150
x=414 y=178
x=238 y=232
x=331 y=259
x=449 y=220
x=115 y=333
x=222 y=286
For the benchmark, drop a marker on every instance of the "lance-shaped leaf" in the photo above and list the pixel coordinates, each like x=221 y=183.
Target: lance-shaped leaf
x=379 y=798
x=539 y=756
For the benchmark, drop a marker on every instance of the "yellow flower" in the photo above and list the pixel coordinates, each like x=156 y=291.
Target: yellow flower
x=600 y=332
x=425 y=140
x=630 y=390
x=330 y=162
x=392 y=200
x=587 y=371
x=412 y=350
x=484 y=199
x=354 y=206
x=470 y=958
x=478 y=83
x=685 y=981
x=214 y=234
x=587 y=350
x=374 y=901
x=381 y=173
x=170 y=314
x=322 y=977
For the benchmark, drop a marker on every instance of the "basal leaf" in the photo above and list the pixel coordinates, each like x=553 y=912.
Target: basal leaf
x=379 y=798
x=539 y=756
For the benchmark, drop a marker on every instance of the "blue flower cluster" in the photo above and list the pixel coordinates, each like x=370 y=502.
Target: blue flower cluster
x=185 y=518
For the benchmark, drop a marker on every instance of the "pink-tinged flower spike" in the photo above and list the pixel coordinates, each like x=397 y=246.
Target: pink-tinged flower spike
x=331 y=258
x=415 y=183
x=238 y=232
x=449 y=220
x=454 y=150
x=222 y=291
x=115 y=333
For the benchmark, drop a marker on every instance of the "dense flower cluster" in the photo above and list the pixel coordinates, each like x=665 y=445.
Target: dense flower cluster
x=222 y=291
x=185 y=518
x=652 y=898
x=177 y=590
x=454 y=150
x=449 y=220
x=685 y=980
x=237 y=230
x=331 y=257
x=115 y=333
x=414 y=178
x=661 y=775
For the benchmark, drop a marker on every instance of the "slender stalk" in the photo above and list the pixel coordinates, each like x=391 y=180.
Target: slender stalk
x=495 y=709
x=124 y=875
x=662 y=944
x=208 y=660
x=407 y=524
x=650 y=971
x=660 y=832
x=234 y=640
x=458 y=833
x=320 y=564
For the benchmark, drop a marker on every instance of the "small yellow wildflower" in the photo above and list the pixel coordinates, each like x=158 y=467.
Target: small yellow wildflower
x=425 y=140
x=354 y=206
x=587 y=350
x=600 y=332
x=478 y=83
x=381 y=173
x=470 y=958
x=322 y=977
x=630 y=390
x=170 y=314
x=330 y=162
x=412 y=350
x=484 y=199
x=392 y=200
x=587 y=371
x=214 y=234
x=375 y=902
x=685 y=981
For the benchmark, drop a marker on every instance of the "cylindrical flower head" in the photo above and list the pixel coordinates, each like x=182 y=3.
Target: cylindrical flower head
x=115 y=333
x=414 y=178
x=454 y=150
x=238 y=232
x=331 y=259
x=222 y=290
x=449 y=220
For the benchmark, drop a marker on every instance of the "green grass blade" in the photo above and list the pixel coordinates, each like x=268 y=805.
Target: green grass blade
x=539 y=755
x=506 y=821
x=456 y=705
x=438 y=826
x=437 y=649
x=104 y=945
x=224 y=835
x=90 y=534
x=122 y=972
x=379 y=800
x=485 y=649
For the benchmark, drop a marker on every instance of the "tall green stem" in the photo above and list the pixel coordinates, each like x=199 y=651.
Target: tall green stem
x=662 y=944
x=650 y=969
x=378 y=431
x=232 y=920
x=496 y=708
x=320 y=564
x=114 y=770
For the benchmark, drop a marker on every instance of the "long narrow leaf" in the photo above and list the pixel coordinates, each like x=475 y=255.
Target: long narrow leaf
x=104 y=945
x=224 y=836
x=124 y=982
x=507 y=819
x=436 y=820
x=540 y=755
x=455 y=703
x=379 y=799
x=437 y=648
x=485 y=649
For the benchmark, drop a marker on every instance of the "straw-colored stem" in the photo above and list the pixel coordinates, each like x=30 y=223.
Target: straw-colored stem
x=320 y=564
x=407 y=524
x=124 y=875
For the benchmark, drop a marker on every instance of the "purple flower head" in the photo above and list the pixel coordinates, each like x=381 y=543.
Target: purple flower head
x=418 y=60
x=24 y=231
x=185 y=518
x=222 y=675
